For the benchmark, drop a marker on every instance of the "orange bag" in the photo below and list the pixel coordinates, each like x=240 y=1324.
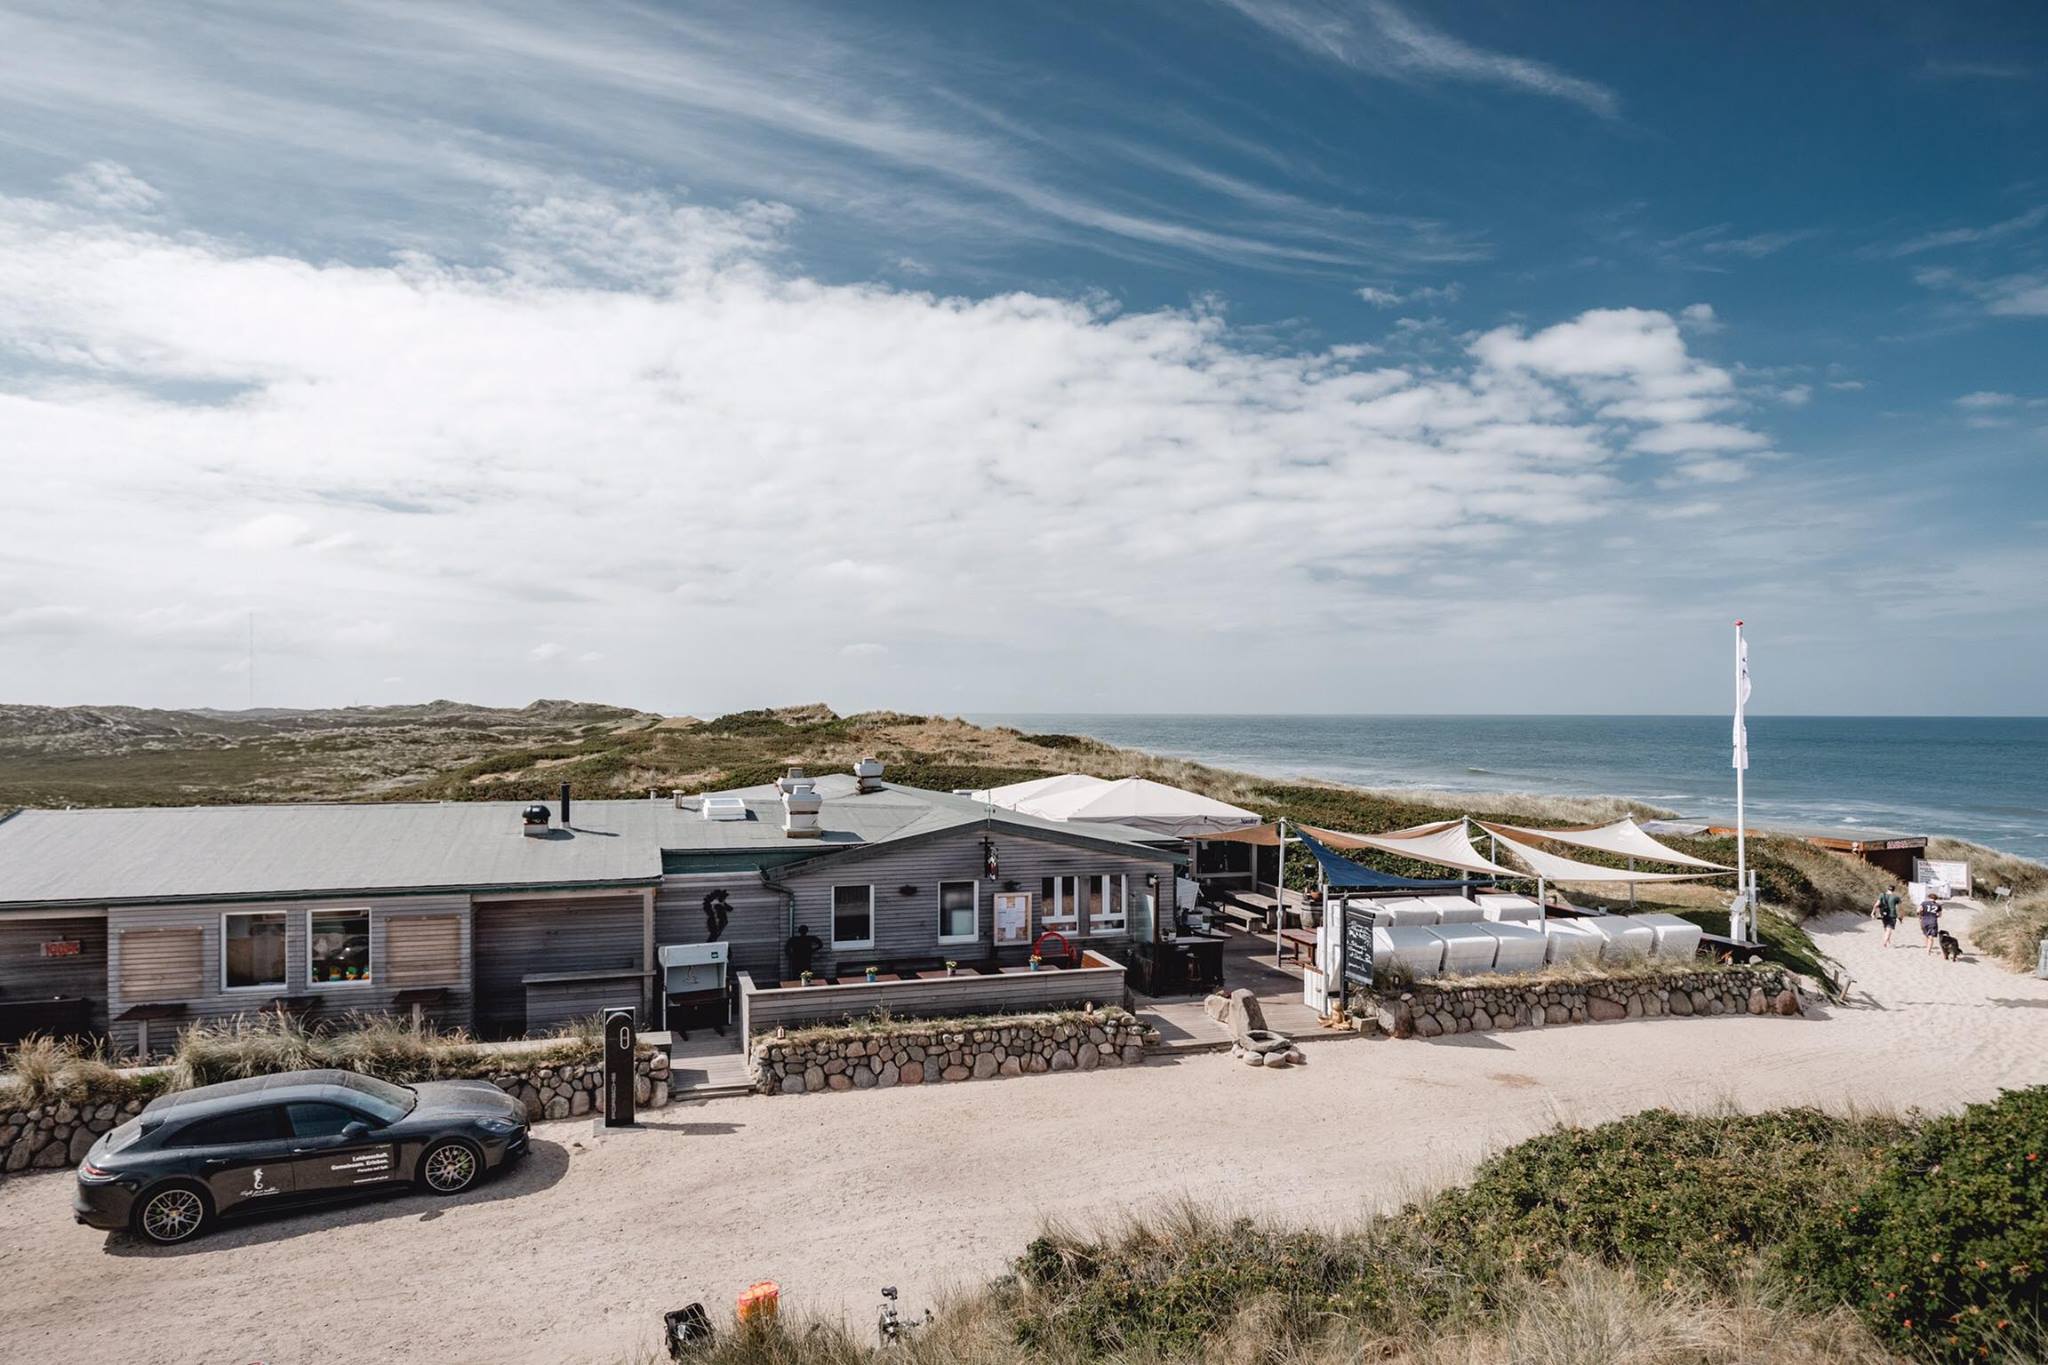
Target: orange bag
x=759 y=1302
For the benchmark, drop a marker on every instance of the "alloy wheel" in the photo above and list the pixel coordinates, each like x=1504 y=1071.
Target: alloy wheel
x=450 y=1168
x=172 y=1215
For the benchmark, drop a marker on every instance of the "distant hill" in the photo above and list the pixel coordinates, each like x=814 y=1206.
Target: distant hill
x=129 y=755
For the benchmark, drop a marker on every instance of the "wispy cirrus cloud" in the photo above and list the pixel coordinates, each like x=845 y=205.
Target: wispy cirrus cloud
x=1947 y=238
x=1379 y=39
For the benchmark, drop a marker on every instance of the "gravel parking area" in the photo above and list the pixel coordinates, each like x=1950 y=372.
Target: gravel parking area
x=578 y=1251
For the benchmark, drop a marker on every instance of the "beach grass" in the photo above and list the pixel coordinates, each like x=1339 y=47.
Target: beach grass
x=1702 y=1239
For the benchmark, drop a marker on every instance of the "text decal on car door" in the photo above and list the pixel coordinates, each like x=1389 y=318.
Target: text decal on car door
x=366 y=1166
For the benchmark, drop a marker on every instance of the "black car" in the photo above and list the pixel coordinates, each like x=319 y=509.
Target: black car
x=197 y=1155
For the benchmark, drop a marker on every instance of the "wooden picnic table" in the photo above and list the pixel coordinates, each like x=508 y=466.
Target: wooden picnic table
x=1300 y=940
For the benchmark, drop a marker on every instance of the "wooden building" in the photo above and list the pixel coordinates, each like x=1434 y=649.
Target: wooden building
x=133 y=923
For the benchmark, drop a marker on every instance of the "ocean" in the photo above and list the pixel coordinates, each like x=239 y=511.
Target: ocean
x=1978 y=778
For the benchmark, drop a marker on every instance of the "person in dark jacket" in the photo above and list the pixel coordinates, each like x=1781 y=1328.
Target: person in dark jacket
x=1930 y=922
x=802 y=947
x=1887 y=910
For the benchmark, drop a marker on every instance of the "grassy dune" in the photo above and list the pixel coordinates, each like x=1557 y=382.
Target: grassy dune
x=1793 y=1236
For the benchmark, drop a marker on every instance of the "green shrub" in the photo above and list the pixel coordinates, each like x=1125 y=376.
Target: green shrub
x=1675 y=1196
x=2013 y=933
x=1945 y=1253
x=42 y=1069
x=263 y=1044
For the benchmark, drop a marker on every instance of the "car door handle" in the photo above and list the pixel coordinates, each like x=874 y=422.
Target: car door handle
x=214 y=1163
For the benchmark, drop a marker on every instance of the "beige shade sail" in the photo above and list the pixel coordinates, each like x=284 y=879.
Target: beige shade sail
x=1552 y=868
x=1443 y=844
x=1265 y=836
x=1624 y=837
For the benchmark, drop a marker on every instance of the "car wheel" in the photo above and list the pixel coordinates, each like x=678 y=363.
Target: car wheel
x=450 y=1167
x=173 y=1213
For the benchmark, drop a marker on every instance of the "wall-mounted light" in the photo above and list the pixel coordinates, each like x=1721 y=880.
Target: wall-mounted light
x=907 y=889
x=988 y=858
x=1151 y=881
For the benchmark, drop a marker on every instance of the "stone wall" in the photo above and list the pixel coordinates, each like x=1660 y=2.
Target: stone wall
x=928 y=1052
x=1427 y=1011
x=58 y=1133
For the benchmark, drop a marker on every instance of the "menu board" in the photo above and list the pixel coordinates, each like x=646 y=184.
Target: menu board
x=1013 y=917
x=1358 y=944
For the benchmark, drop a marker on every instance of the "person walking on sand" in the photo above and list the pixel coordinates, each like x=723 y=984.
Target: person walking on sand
x=1930 y=922
x=1887 y=909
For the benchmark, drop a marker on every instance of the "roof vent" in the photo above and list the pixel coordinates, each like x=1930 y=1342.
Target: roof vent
x=724 y=808
x=869 y=771
x=800 y=806
x=535 y=819
x=791 y=780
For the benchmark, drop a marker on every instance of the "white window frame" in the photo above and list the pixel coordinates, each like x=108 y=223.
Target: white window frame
x=1057 y=915
x=284 y=982
x=832 y=910
x=369 y=932
x=974 y=886
x=1120 y=883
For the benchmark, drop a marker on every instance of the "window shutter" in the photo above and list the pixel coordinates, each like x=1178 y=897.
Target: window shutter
x=161 y=964
x=422 y=950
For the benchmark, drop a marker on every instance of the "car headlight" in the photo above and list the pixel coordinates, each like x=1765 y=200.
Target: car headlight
x=498 y=1127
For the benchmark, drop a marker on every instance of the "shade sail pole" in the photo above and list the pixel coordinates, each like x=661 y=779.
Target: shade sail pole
x=1631 y=886
x=1280 y=891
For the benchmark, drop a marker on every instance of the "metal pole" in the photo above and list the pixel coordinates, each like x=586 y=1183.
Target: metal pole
x=1280 y=890
x=1735 y=910
x=1631 y=885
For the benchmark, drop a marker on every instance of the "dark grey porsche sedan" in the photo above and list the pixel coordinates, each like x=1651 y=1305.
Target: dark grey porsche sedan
x=198 y=1155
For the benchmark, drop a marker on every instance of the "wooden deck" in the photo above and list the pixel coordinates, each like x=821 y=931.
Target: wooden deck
x=708 y=1066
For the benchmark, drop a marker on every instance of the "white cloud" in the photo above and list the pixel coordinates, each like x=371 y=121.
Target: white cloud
x=43 y=620
x=1392 y=298
x=2024 y=295
x=112 y=188
x=1795 y=395
x=1386 y=41
x=1984 y=398
x=698 y=460
x=1699 y=317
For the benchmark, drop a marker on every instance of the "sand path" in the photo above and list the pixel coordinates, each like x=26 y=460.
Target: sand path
x=577 y=1253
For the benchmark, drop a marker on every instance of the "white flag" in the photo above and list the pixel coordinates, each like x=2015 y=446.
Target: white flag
x=1741 y=699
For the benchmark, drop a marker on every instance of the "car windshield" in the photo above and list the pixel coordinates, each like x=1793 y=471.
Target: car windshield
x=386 y=1102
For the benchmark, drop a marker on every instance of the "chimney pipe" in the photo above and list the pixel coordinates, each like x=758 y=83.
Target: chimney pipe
x=565 y=805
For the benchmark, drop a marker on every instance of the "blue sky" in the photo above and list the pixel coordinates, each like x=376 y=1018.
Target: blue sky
x=1237 y=355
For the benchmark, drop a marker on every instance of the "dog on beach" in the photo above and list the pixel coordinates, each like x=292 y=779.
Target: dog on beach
x=1950 y=949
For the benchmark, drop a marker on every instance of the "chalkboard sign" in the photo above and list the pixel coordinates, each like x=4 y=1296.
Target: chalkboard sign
x=1358 y=921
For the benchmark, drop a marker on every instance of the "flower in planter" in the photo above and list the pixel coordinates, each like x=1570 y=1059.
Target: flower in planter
x=951 y=966
x=1036 y=960
x=872 y=972
x=804 y=977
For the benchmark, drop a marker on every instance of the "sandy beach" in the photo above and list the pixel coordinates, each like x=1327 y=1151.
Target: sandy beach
x=578 y=1253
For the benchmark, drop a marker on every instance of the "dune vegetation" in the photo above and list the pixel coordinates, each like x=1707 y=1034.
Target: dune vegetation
x=1791 y=1236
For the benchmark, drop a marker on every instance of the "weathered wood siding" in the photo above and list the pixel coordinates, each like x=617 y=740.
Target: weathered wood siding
x=518 y=939
x=907 y=927
x=150 y=960
x=422 y=950
x=1009 y=993
x=756 y=931
x=26 y=974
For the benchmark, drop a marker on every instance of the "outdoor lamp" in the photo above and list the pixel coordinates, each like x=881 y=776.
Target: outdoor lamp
x=988 y=857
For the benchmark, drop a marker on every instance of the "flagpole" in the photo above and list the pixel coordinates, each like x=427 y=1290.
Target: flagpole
x=1736 y=907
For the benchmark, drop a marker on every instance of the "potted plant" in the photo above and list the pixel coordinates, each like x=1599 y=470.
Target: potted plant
x=1035 y=961
x=872 y=973
x=804 y=977
x=951 y=966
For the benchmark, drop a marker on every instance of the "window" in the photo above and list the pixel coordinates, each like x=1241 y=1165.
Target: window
x=320 y=1120
x=959 y=912
x=252 y=951
x=245 y=1125
x=1059 y=904
x=337 y=947
x=853 y=917
x=1108 y=904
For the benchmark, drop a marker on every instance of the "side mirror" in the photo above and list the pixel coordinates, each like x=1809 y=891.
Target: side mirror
x=354 y=1129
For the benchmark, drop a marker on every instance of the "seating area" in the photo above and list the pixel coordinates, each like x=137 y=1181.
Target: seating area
x=1452 y=936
